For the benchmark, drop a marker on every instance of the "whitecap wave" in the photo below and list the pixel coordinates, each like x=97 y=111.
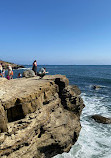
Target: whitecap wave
x=24 y=68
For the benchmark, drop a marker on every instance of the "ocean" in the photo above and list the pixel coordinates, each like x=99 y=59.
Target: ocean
x=95 y=138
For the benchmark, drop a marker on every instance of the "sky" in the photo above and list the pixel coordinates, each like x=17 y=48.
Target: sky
x=62 y=32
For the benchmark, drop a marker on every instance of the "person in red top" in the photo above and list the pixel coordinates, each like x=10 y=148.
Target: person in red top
x=34 y=67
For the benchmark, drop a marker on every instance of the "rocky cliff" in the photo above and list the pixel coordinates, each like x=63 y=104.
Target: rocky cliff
x=14 y=66
x=38 y=118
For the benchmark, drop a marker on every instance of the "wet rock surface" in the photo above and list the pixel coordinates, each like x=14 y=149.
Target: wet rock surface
x=96 y=87
x=101 y=119
x=40 y=118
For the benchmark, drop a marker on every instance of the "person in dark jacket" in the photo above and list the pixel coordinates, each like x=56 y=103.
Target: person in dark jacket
x=34 y=67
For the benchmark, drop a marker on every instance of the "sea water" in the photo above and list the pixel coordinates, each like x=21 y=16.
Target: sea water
x=95 y=138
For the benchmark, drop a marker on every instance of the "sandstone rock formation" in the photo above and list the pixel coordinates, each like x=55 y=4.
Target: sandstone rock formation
x=41 y=118
x=3 y=120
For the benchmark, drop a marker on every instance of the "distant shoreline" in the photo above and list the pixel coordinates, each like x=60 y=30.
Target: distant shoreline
x=14 y=66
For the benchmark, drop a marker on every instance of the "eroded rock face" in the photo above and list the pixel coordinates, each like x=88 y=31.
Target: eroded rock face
x=70 y=99
x=43 y=117
x=3 y=120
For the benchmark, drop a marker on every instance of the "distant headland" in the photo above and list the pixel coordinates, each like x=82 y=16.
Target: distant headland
x=14 y=66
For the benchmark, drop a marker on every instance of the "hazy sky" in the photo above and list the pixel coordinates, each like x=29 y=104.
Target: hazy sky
x=55 y=31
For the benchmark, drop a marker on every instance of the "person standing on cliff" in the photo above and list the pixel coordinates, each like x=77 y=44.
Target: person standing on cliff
x=34 y=67
x=10 y=72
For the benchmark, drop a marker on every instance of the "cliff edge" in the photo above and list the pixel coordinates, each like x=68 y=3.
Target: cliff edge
x=38 y=118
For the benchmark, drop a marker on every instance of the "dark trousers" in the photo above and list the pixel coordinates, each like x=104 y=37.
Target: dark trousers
x=41 y=75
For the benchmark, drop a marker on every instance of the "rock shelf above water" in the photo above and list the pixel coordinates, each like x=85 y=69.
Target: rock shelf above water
x=38 y=117
x=14 y=66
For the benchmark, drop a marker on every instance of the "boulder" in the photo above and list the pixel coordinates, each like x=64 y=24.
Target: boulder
x=101 y=119
x=28 y=73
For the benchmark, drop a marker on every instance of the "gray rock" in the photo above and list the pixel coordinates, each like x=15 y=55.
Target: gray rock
x=101 y=119
x=28 y=73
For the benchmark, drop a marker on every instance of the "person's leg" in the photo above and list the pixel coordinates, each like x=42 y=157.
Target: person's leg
x=35 y=70
x=42 y=75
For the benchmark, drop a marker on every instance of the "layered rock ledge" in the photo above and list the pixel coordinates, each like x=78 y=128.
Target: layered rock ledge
x=38 y=118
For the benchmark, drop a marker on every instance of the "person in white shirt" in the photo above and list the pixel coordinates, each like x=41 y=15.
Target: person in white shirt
x=3 y=72
x=42 y=72
x=10 y=71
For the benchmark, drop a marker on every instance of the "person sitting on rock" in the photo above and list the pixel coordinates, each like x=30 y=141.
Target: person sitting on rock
x=42 y=72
